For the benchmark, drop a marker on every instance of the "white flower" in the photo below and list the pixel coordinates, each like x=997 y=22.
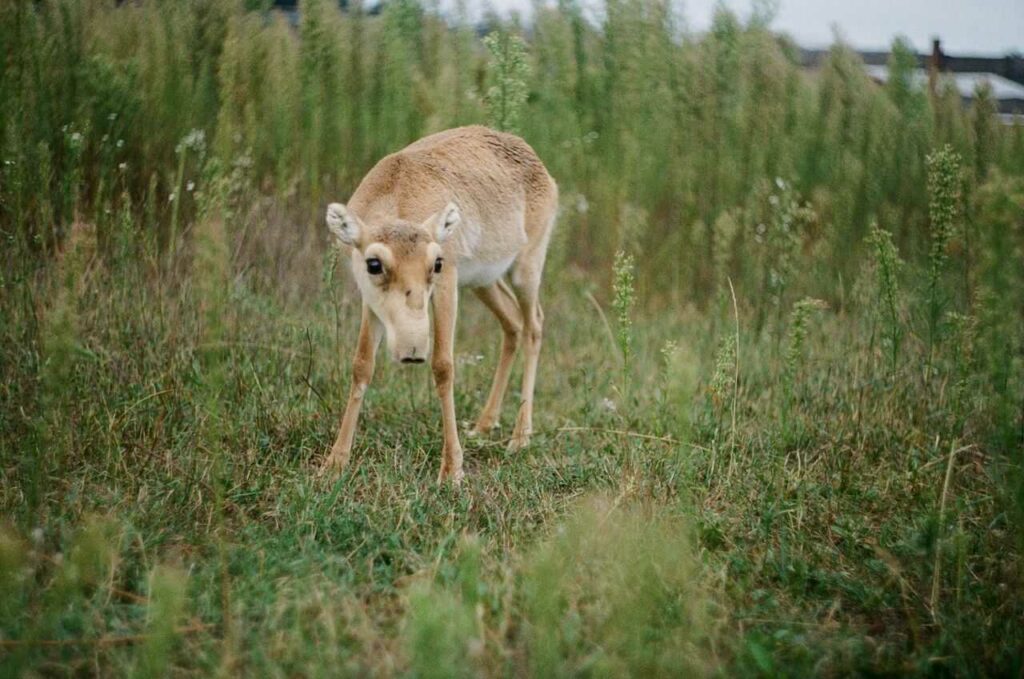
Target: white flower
x=669 y=350
x=193 y=141
x=122 y=166
x=608 y=404
x=189 y=186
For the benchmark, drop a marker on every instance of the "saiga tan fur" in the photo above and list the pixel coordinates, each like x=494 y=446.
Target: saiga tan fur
x=483 y=203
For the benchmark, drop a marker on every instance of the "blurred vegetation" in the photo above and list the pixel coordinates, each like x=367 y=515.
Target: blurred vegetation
x=784 y=364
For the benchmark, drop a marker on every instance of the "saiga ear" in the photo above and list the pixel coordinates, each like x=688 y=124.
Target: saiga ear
x=441 y=225
x=343 y=224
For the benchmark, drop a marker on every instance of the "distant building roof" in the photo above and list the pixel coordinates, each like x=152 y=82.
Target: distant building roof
x=1010 y=66
x=1003 y=89
x=1005 y=75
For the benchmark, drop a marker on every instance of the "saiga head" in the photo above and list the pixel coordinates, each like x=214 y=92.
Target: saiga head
x=395 y=266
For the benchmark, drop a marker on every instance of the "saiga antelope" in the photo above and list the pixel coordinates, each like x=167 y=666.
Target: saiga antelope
x=461 y=208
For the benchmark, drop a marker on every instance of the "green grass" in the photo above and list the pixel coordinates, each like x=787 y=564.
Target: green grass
x=803 y=543
x=779 y=407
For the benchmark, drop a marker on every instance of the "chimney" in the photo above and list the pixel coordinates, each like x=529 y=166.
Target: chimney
x=937 y=56
x=935 y=64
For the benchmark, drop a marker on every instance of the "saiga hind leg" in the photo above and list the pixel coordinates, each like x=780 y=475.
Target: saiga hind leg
x=502 y=303
x=533 y=329
x=526 y=279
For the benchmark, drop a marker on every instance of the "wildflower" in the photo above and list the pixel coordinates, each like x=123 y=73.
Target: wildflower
x=194 y=141
x=669 y=350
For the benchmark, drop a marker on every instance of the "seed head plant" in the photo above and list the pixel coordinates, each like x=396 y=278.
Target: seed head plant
x=623 y=300
x=984 y=129
x=723 y=377
x=943 y=211
x=799 y=319
x=508 y=73
x=777 y=239
x=887 y=268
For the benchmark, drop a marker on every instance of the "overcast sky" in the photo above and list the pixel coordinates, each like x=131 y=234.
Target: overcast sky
x=983 y=26
x=965 y=26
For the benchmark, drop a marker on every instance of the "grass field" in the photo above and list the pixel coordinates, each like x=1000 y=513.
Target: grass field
x=780 y=436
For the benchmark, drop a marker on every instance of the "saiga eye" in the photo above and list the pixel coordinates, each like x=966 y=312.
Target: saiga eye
x=438 y=263
x=374 y=267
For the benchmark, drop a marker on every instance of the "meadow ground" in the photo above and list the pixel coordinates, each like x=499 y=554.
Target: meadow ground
x=167 y=516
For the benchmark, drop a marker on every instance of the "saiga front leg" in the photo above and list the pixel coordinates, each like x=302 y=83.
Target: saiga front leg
x=446 y=301
x=362 y=372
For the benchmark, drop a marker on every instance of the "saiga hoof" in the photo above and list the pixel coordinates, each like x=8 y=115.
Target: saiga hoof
x=333 y=465
x=518 y=442
x=455 y=477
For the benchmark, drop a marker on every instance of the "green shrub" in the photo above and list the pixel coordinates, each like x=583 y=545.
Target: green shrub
x=631 y=604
